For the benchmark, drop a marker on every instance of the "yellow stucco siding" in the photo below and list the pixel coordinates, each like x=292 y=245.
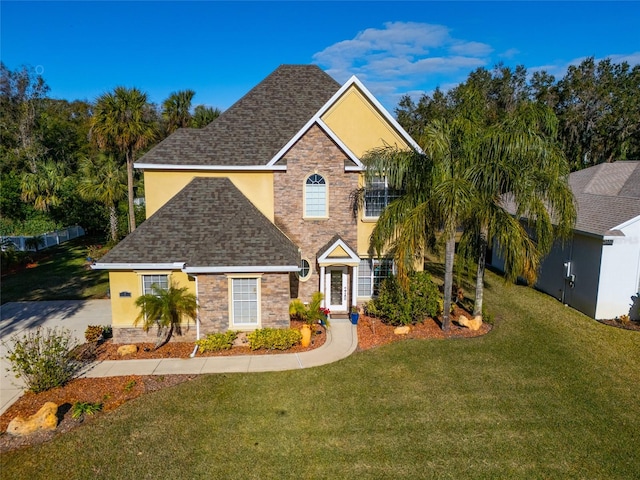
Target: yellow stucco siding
x=160 y=186
x=359 y=124
x=123 y=308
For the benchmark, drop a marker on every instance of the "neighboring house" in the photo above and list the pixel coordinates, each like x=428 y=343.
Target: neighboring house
x=597 y=271
x=256 y=208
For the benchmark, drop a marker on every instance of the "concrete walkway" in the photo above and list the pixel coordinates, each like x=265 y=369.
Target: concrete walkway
x=19 y=317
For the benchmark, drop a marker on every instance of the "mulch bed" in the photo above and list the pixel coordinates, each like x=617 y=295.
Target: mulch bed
x=114 y=391
x=628 y=325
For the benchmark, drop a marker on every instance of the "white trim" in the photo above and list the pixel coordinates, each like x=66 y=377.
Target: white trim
x=240 y=168
x=626 y=224
x=139 y=266
x=326 y=197
x=245 y=326
x=257 y=269
x=352 y=260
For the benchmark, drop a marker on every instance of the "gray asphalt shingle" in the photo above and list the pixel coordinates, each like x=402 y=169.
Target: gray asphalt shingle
x=256 y=127
x=209 y=223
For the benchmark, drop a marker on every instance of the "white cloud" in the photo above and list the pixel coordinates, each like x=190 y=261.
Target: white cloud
x=403 y=57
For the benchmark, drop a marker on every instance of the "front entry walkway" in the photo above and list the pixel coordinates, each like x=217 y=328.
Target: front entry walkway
x=341 y=341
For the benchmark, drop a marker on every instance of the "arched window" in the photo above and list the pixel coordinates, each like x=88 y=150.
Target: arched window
x=315 y=196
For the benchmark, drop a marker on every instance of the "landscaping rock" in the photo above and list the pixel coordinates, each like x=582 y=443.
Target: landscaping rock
x=402 y=330
x=44 y=419
x=473 y=324
x=127 y=350
x=241 y=340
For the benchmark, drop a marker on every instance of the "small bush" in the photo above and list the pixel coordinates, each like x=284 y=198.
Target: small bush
x=214 y=342
x=398 y=306
x=107 y=331
x=43 y=359
x=93 y=333
x=274 y=338
x=80 y=409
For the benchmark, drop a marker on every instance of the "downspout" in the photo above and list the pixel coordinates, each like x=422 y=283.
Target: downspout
x=195 y=349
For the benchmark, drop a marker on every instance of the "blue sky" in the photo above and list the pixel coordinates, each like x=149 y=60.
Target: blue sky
x=222 y=49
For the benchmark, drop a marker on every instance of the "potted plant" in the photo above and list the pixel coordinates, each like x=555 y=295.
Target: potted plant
x=355 y=315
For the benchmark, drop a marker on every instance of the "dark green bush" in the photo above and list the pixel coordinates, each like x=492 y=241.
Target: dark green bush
x=274 y=338
x=43 y=359
x=214 y=342
x=398 y=306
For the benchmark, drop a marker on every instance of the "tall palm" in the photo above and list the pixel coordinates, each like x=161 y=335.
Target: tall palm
x=44 y=184
x=121 y=123
x=105 y=180
x=166 y=309
x=436 y=197
x=519 y=170
x=176 y=110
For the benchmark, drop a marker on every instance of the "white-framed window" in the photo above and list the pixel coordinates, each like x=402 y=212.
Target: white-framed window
x=377 y=195
x=305 y=269
x=245 y=302
x=160 y=280
x=315 y=196
x=371 y=273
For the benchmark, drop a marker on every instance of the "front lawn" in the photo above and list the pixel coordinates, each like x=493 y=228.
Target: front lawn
x=59 y=273
x=549 y=393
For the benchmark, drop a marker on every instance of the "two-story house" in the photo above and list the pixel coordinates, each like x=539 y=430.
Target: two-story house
x=256 y=208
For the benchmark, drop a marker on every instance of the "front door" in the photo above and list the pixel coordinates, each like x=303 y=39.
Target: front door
x=336 y=289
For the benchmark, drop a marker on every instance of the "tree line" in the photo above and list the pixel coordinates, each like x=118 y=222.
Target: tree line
x=597 y=105
x=71 y=162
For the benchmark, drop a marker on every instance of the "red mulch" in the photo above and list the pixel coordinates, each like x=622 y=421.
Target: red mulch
x=114 y=391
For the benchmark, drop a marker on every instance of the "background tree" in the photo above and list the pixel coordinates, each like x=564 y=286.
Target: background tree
x=43 y=186
x=176 y=110
x=102 y=178
x=121 y=123
x=203 y=116
x=166 y=309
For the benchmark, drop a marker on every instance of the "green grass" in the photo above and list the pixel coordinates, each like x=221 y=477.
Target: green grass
x=548 y=393
x=60 y=275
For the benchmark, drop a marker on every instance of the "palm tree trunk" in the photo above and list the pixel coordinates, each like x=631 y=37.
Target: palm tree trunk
x=482 y=255
x=449 y=252
x=132 y=214
x=165 y=340
x=113 y=222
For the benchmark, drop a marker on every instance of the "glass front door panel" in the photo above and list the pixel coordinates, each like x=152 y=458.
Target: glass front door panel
x=336 y=287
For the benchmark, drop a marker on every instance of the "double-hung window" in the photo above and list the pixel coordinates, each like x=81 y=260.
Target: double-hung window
x=244 y=302
x=315 y=196
x=160 y=281
x=371 y=273
x=377 y=195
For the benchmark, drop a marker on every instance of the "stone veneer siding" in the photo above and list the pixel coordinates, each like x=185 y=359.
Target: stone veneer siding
x=315 y=152
x=213 y=297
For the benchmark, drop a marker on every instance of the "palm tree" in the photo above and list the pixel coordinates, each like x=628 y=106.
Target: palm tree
x=203 y=116
x=43 y=186
x=519 y=169
x=461 y=178
x=166 y=309
x=176 y=110
x=120 y=123
x=104 y=180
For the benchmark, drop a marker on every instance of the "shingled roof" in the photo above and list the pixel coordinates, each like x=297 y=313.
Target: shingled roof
x=256 y=127
x=189 y=229
x=607 y=195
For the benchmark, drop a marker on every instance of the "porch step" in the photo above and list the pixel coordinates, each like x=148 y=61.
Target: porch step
x=342 y=316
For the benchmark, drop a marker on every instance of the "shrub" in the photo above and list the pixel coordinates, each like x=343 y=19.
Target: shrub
x=80 y=409
x=93 y=333
x=274 y=338
x=43 y=359
x=214 y=342
x=398 y=306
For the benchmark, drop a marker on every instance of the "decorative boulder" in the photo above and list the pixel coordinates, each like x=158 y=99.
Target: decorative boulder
x=241 y=340
x=44 y=419
x=473 y=324
x=402 y=330
x=127 y=350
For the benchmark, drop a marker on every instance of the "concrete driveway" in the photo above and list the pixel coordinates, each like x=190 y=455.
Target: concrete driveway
x=20 y=317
